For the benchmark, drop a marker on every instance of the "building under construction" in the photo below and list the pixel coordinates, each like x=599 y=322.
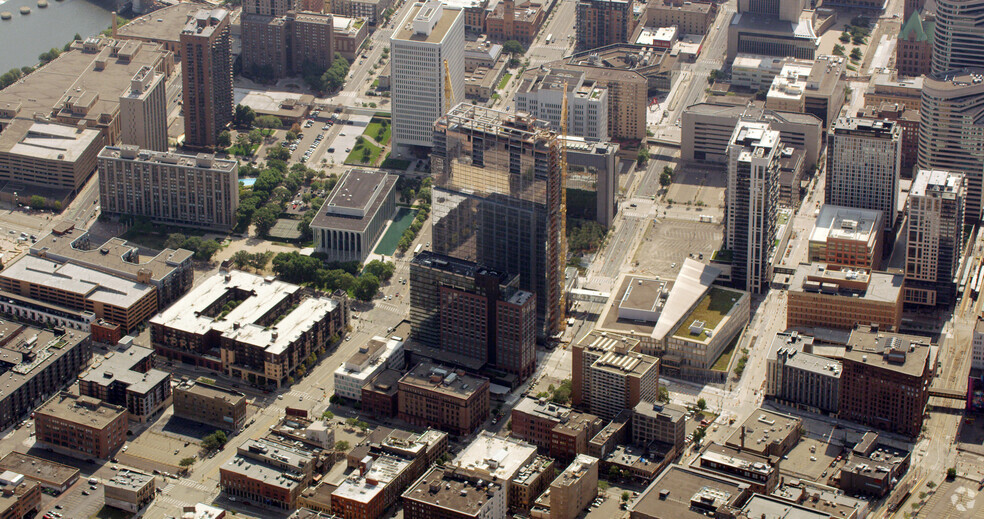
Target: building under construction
x=497 y=200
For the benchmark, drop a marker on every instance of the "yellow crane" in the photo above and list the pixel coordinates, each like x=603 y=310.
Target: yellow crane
x=563 y=202
x=448 y=91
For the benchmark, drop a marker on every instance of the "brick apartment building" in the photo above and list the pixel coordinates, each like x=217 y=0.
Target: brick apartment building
x=435 y=396
x=885 y=381
x=211 y=405
x=80 y=426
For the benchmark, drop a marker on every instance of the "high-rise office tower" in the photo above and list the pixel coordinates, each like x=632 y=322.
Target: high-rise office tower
x=602 y=22
x=496 y=200
x=950 y=136
x=430 y=38
x=773 y=28
x=864 y=160
x=206 y=76
x=143 y=111
x=914 y=51
x=752 y=203
x=958 y=36
x=934 y=237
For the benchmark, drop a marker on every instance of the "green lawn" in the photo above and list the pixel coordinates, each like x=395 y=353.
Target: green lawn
x=504 y=81
x=153 y=235
x=373 y=130
x=712 y=309
x=392 y=163
x=401 y=222
x=357 y=153
x=238 y=151
x=723 y=255
x=725 y=359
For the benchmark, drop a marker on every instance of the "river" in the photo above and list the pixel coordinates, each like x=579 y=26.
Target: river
x=24 y=37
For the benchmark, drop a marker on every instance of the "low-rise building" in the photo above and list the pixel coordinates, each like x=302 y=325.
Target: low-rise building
x=378 y=354
x=497 y=459
x=834 y=297
x=888 y=87
x=370 y=10
x=571 y=492
x=349 y=35
x=699 y=339
x=444 y=493
x=380 y=395
x=35 y=364
x=511 y=21
x=128 y=379
x=80 y=426
x=873 y=468
x=757 y=71
x=665 y=423
x=531 y=481
x=434 y=396
x=129 y=490
x=169 y=188
x=111 y=298
x=351 y=219
x=268 y=472
x=688 y=17
x=171 y=271
x=19 y=497
x=767 y=433
x=847 y=237
x=798 y=377
x=885 y=381
x=51 y=475
x=641 y=464
x=378 y=484
x=690 y=493
x=210 y=404
x=759 y=473
x=252 y=328
x=557 y=429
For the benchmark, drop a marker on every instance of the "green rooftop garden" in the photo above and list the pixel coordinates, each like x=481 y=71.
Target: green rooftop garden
x=711 y=310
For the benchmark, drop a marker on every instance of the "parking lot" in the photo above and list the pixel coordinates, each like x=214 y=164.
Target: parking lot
x=669 y=241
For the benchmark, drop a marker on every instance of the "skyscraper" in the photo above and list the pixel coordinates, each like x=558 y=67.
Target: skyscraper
x=431 y=37
x=864 y=159
x=950 y=136
x=934 y=237
x=206 y=76
x=496 y=200
x=752 y=203
x=958 y=36
x=602 y=22
x=143 y=111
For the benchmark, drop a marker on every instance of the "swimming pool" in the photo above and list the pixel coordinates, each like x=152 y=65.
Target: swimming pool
x=247 y=181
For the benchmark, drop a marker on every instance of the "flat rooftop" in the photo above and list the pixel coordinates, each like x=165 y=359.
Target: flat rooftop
x=764 y=427
x=905 y=354
x=52 y=141
x=162 y=25
x=711 y=310
x=261 y=295
x=941 y=184
x=74 y=86
x=127 y=479
x=259 y=471
x=771 y=507
x=115 y=255
x=27 y=351
x=169 y=158
x=443 y=379
x=211 y=391
x=874 y=286
x=682 y=492
x=363 y=489
x=645 y=294
x=39 y=469
x=459 y=267
x=692 y=283
x=846 y=223
x=118 y=366
x=204 y=22
x=500 y=457
x=864 y=127
x=434 y=17
x=452 y=490
x=91 y=284
x=81 y=410
x=386 y=382
x=355 y=200
x=673 y=412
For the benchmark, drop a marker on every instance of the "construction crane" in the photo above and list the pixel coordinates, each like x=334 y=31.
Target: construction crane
x=448 y=91
x=563 y=199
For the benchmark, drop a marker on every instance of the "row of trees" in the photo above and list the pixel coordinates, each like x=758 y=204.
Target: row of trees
x=326 y=80
x=203 y=249
x=311 y=270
